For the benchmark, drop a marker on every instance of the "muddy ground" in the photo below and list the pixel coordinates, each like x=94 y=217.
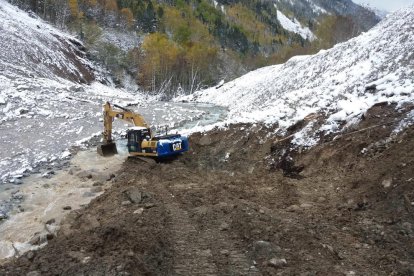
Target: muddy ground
x=243 y=203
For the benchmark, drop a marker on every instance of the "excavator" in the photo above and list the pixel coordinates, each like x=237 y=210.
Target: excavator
x=141 y=142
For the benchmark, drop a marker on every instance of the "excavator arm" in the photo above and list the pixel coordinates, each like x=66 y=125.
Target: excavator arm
x=123 y=114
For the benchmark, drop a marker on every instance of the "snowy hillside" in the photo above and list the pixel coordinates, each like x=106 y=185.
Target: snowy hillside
x=32 y=48
x=341 y=83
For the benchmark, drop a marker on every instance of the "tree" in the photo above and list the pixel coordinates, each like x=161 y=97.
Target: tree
x=127 y=17
x=74 y=8
x=160 y=56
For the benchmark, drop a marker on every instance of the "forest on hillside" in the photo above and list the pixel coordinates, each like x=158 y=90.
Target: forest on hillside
x=185 y=45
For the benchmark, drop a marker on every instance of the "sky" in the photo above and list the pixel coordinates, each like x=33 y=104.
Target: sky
x=387 y=5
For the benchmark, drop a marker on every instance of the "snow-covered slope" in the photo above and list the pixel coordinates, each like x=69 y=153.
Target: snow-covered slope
x=45 y=104
x=294 y=26
x=32 y=48
x=332 y=82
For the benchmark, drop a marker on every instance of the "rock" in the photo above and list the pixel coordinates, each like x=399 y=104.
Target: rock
x=293 y=208
x=224 y=226
x=30 y=255
x=306 y=206
x=277 y=263
x=224 y=252
x=67 y=208
x=201 y=210
x=120 y=267
x=52 y=228
x=263 y=250
x=408 y=227
x=205 y=140
x=2 y=216
x=86 y=260
x=134 y=195
x=33 y=273
x=44 y=269
x=23 y=111
x=126 y=202
x=35 y=240
x=72 y=171
x=76 y=255
x=321 y=199
x=386 y=183
x=97 y=184
x=84 y=175
x=96 y=189
x=51 y=221
x=139 y=211
x=149 y=205
x=88 y=194
x=110 y=177
x=89 y=222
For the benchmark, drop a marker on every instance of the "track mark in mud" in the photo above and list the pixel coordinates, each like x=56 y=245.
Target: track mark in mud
x=208 y=252
x=192 y=255
x=230 y=260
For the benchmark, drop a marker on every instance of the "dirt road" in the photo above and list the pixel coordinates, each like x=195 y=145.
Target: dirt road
x=243 y=203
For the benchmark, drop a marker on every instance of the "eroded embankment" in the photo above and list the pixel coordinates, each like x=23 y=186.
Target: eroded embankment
x=232 y=207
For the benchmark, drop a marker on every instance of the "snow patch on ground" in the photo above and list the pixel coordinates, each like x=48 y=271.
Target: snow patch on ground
x=294 y=26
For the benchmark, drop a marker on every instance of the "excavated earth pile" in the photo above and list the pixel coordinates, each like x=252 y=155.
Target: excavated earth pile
x=245 y=202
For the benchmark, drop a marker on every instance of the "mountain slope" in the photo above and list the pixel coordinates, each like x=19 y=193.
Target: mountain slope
x=340 y=83
x=45 y=104
x=32 y=48
x=188 y=44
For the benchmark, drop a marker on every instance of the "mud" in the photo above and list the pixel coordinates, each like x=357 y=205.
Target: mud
x=228 y=208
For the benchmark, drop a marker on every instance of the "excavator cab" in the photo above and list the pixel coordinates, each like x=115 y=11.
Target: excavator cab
x=136 y=136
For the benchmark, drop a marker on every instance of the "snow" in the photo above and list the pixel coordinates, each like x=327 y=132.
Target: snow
x=333 y=83
x=317 y=9
x=294 y=26
x=125 y=41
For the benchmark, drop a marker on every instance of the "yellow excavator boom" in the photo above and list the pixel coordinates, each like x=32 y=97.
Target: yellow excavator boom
x=123 y=114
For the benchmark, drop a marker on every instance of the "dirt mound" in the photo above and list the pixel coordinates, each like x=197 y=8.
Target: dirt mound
x=227 y=208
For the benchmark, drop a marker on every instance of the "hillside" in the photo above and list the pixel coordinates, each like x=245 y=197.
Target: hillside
x=338 y=85
x=49 y=98
x=170 y=46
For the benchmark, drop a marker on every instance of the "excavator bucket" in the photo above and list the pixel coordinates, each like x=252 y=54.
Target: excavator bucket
x=107 y=149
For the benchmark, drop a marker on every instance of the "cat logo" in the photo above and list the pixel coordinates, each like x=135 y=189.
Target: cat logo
x=176 y=146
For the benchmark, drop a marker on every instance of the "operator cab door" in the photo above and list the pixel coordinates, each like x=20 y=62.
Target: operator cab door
x=135 y=138
x=134 y=141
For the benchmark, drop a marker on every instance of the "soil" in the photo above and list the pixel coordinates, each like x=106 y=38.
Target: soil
x=245 y=202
